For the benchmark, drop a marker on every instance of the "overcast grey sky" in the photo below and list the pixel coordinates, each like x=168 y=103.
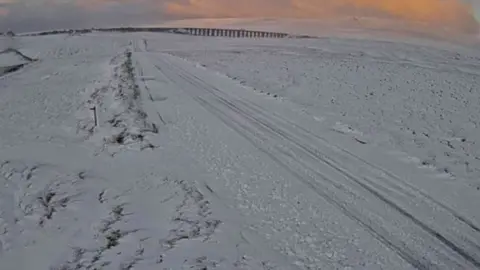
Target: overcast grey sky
x=32 y=15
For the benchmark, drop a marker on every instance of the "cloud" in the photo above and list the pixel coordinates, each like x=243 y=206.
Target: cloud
x=4 y=11
x=442 y=13
x=96 y=5
x=228 y=8
x=35 y=15
x=42 y=14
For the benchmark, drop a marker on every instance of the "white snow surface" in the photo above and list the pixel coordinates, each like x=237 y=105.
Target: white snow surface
x=215 y=153
x=10 y=58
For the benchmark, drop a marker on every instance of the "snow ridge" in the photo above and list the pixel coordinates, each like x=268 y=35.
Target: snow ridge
x=121 y=120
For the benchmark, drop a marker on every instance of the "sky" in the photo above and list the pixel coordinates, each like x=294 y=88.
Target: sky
x=32 y=15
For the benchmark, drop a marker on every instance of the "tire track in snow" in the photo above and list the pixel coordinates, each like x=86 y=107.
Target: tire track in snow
x=377 y=232
x=392 y=179
x=246 y=121
x=249 y=135
x=376 y=192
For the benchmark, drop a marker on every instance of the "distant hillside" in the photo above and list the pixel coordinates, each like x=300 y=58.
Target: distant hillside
x=351 y=27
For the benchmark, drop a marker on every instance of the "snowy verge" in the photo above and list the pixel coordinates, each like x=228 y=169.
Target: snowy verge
x=112 y=115
x=12 y=60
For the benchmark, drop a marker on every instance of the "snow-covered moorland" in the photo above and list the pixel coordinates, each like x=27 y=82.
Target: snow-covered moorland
x=162 y=151
x=419 y=100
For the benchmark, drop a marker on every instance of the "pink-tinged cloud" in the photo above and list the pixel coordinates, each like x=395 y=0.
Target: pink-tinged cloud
x=4 y=11
x=96 y=5
x=441 y=13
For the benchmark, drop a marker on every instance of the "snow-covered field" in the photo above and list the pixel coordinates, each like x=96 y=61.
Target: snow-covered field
x=162 y=151
x=422 y=101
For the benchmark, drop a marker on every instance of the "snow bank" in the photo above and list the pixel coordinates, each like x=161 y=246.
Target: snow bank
x=10 y=58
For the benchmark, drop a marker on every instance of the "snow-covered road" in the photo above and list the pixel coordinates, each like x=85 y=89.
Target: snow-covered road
x=189 y=169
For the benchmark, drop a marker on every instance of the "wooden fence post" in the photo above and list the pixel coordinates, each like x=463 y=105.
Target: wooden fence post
x=94 y=109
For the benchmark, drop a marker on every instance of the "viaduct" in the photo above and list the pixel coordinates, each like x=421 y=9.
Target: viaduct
x=233 y=33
